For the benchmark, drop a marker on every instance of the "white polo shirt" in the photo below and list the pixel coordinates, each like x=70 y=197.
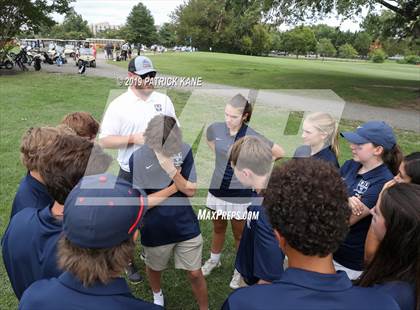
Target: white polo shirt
x=129 y=114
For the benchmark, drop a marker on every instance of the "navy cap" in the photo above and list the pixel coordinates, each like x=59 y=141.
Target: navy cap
x=102 y=211
x=377 y=132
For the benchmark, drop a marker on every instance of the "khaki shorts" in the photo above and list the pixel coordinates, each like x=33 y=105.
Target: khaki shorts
x=187 y=255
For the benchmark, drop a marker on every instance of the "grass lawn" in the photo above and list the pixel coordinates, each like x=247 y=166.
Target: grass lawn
x=388 y=84
x=34 y=99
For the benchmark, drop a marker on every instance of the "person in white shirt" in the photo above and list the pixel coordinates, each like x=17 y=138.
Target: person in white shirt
x=128 y=115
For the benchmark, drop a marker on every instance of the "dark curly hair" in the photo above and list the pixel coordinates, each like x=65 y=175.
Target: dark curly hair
x=307 y=204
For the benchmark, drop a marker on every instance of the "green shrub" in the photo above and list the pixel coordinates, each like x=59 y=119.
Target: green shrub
x=378 y=55
x=347 y=51
x=412 y=59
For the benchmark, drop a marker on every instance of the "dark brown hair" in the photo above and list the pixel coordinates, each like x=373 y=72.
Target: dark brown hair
x=163 y=135
x=412 y=167
x=65 y=161
x=82 y=123
x=253 y=153
x=240 y=102
x=95 y=265
x=398 y=255
x=392 y=158
x=307 y=204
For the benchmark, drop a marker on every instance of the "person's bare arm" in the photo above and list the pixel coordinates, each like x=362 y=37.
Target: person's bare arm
x=371 y=245
x=116 y=142
x=211 y=145
x=277 y=152
x=183 y=185
x=261 y=281
x=157 y=198
x=359 y=210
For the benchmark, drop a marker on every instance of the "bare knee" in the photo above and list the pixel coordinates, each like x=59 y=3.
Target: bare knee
x=237 y=228
x=219 y=226
x=195 y=275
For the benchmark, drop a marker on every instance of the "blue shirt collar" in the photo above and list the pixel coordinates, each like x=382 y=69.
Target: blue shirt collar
x=48 y=220
x=316 y=281
x=378 y=171
x=35 y=183
x=241 y=132
x=117 y=286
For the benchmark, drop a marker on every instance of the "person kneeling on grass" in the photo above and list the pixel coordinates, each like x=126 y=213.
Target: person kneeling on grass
x=164 y=169
x=100 y=226
x=259 y=258
x=307 y=206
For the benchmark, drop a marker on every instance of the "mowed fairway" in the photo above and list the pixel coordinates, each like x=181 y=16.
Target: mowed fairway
x=388 y=84
x=35 y=99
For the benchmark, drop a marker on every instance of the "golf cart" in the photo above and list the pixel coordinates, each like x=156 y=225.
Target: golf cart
x=85 y=56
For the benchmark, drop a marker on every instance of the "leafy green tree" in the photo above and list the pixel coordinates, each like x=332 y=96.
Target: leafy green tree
x=167 y=35
x=141 y=26
x=347 y=51
x=406 y=12
x=322 y=31
x=73 y=27
x=17 y=16
x=325 y=48
x=362 y=43
x=261 y=40
x=300 y=41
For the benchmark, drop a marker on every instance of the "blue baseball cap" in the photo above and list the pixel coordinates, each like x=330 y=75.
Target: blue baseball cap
x=377 y=132
x=102 y=211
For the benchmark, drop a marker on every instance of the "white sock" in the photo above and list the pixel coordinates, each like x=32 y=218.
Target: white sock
x=158 y=298
x=215 y=257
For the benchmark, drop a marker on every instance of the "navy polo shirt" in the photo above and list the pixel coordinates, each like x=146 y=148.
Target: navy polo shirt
x=259 y=255
x=367 y=186
x=30 y=194
x=29 y=248
x=403 y=293
x=67 y=292
x=174 y=220
x=224 y=183
x=326 y=154
x=301 y=289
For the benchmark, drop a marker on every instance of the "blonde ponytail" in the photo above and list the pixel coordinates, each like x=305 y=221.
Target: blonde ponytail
x=327 y=124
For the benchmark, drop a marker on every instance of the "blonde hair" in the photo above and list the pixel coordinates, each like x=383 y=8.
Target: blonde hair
x=327 y=124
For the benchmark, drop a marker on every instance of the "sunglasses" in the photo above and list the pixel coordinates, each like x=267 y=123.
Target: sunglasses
x=149 y=75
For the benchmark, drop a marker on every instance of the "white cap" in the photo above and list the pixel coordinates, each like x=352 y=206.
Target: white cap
x=140 y=65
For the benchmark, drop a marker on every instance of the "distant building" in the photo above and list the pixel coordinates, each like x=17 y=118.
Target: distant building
x=95 y=28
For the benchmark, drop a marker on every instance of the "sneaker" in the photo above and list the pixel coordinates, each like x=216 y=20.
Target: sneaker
x=159 y=299
x=133 y=275
x=208 y=266
x=236 y=280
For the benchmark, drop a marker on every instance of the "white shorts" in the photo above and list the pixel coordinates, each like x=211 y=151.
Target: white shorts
x=238 y=211
x=352 y=274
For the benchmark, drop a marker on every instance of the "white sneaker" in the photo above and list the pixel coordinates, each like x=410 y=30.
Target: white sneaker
x=208 y=266
x=158 y=300
x=236 y=280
